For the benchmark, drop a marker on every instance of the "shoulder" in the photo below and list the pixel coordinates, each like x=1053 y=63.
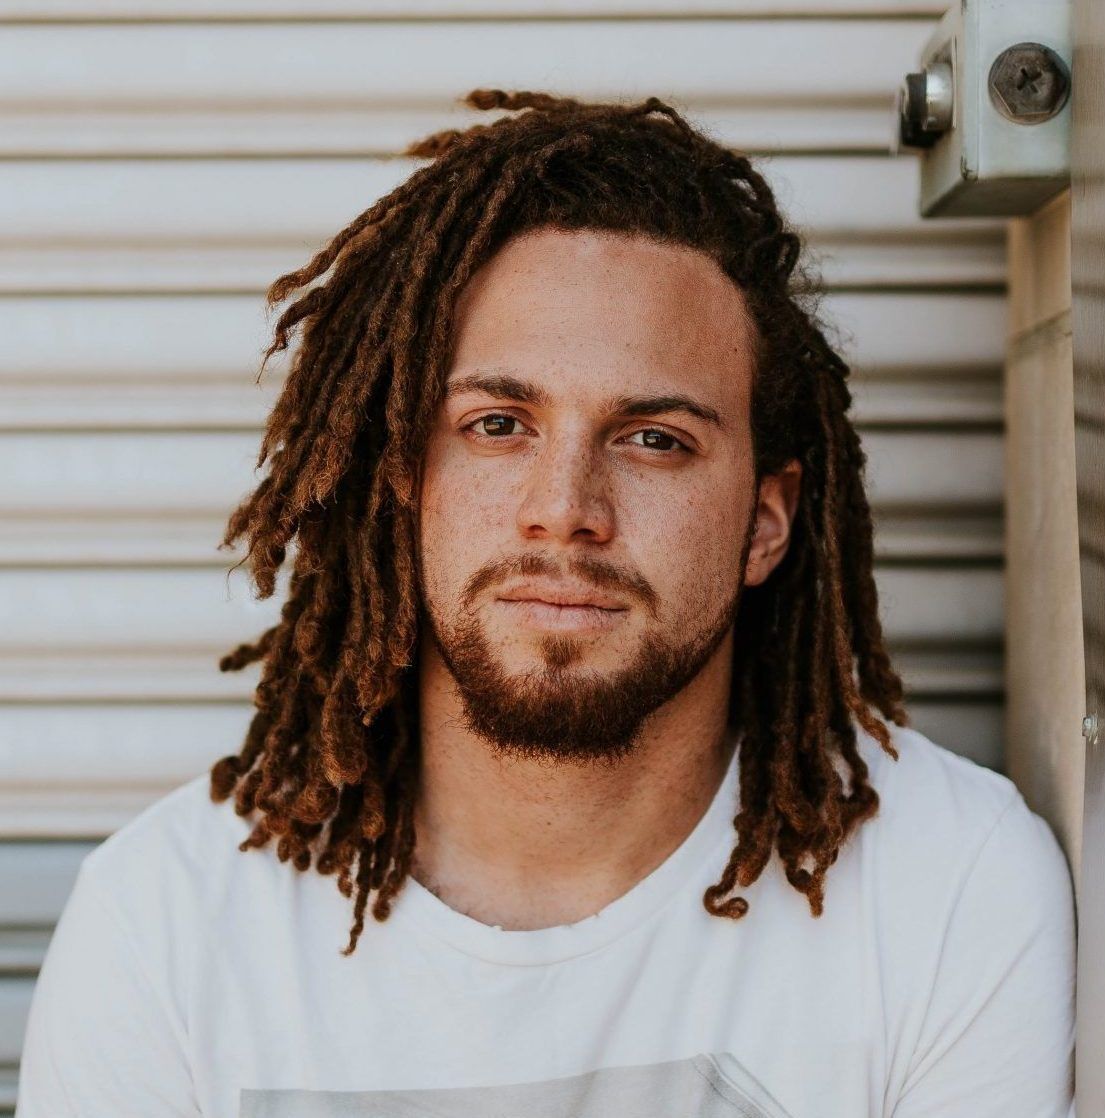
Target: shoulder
x=930 y=779
x=176 y=853
x=942 y=815
x=184 y=825
x=974 y=934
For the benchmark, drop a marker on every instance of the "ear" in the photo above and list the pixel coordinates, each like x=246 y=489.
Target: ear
x=776 y=504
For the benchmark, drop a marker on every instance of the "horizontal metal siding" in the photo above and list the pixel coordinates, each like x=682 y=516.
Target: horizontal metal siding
x=157 y=176
x=176 y=11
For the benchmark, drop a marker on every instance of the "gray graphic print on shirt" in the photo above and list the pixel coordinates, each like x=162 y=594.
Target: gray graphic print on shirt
x=714 y=1085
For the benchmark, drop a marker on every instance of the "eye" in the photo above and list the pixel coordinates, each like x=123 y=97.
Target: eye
x=493 y=425
x=654 y=439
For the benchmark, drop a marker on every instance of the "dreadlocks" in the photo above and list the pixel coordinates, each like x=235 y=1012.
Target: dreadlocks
x=330 y=758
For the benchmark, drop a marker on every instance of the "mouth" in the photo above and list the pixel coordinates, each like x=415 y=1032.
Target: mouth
x=567 y=594
x=562 y=616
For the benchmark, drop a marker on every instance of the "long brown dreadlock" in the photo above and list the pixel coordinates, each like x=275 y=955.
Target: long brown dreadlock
x=330 y=759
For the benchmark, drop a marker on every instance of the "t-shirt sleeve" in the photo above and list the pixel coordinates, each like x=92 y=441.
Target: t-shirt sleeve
x=101 y=1040
x=997 y=1038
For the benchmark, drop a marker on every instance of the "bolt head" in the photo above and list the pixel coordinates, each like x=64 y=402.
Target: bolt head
x=1029 y=83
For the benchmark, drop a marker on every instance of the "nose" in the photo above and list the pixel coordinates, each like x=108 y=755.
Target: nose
x=567 y=495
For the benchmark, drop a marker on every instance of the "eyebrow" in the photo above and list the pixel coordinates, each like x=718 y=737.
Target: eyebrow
x=507 y=387
x=655 y=405
x=502 y=385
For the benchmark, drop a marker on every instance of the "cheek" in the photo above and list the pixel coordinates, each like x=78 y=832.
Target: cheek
x=461 y=521
x=687 y=538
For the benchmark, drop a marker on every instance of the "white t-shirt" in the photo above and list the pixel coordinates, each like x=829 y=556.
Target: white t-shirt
x=188 y=978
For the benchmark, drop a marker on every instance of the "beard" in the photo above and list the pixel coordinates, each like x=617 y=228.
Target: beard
x=558 y=712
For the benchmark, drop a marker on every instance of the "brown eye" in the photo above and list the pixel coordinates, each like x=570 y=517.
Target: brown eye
x=496 y=424
x=654 y=439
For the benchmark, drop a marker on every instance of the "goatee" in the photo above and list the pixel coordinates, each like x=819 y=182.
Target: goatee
x=557 y=712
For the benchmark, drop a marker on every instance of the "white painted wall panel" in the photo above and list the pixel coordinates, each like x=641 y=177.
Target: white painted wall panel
x=338 y=130
x=157 y=175
x=149 y=88
x=44 y=11
x=424 y=62
x=234 y=224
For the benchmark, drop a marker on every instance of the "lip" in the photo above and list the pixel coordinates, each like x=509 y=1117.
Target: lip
x=562 y=618
x=563 y=594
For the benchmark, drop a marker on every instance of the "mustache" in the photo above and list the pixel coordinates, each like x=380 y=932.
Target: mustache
x=597 y=572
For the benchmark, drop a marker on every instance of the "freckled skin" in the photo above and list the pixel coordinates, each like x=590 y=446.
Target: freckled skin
x=593 y=317
x=587 y=317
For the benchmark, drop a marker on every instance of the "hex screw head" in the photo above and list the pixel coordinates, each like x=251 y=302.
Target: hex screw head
x=1029 y=83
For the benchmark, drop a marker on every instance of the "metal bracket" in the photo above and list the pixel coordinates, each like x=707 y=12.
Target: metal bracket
x=989 y=108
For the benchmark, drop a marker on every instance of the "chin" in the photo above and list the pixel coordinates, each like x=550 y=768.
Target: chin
x=558 y=652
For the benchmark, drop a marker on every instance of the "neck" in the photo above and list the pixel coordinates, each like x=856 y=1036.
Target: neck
x=525 y=844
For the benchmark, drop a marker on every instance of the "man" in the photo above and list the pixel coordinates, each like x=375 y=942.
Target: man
x=580 y=679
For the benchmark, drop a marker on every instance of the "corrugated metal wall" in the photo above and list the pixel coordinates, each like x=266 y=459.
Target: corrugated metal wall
x=162 y=162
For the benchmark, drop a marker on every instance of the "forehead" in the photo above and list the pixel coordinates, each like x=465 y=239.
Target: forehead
x=610 y=310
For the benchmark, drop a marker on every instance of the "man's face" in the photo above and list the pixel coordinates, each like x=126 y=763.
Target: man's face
x=588 y=495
